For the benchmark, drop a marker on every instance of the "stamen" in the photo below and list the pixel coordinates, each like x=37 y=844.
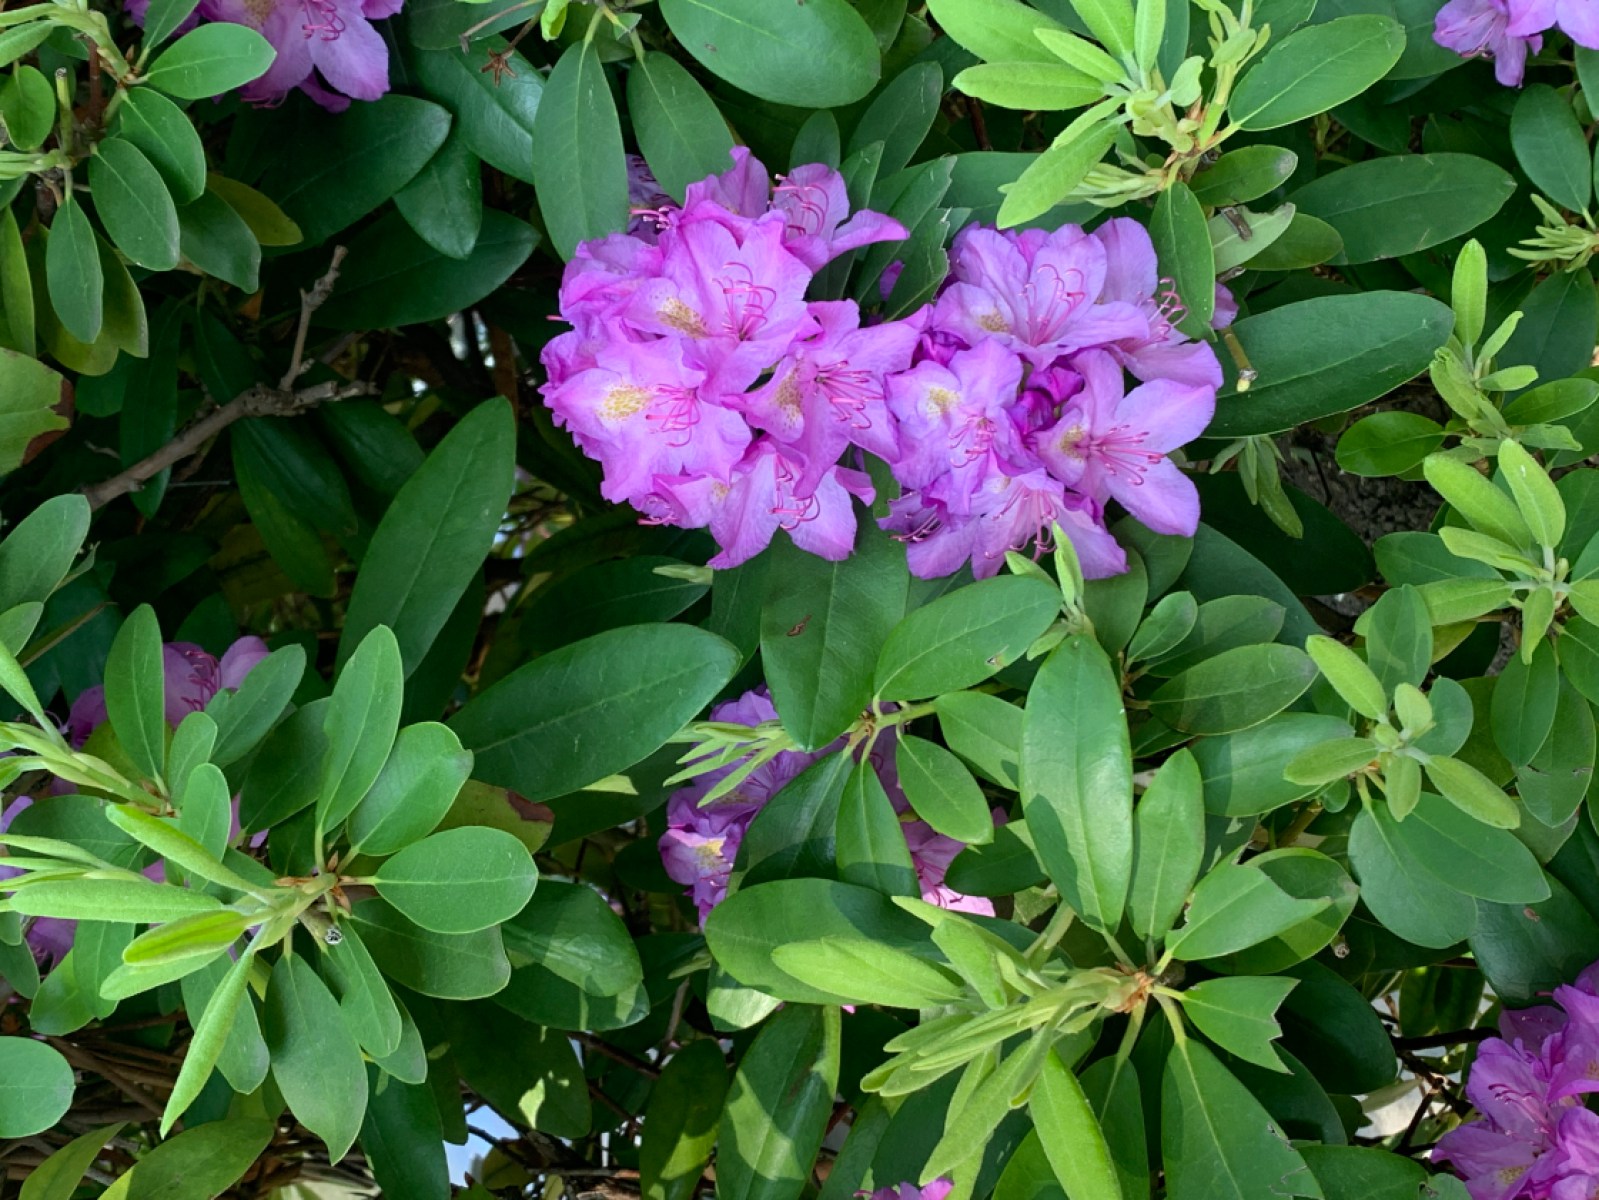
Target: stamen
x=747 y=301
x=322 y=19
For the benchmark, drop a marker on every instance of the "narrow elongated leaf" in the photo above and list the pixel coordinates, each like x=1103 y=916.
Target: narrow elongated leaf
x=1076 y=780
x=134 y=204
x=1071 y=1135
x=577 y=152
x=778 y=1106
x=315 y=1061
x=435 y=535
x=210 y=1036
x=871 y=847
x=362 y=719
x=680 y=132
x=1170 y=844
x=680 y=1122
x=1314 y=69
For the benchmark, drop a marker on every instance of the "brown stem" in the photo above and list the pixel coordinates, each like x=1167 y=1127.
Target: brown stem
x=622 y=1056
x=259 y=401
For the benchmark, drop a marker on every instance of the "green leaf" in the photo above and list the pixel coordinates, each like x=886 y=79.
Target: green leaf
x=1305 y=875
x=867 y=973
x=1234 y=908
x=494 y=111
x=942 y=791
x=344 y=166
x=1314 y=69
x=167 y=138
x=17 y=320
x=243 y=1059
x=1169 y=823
x=985 y=731
x=1217 y=1142
x=403 y=1139
x=1242 y=175
x=362 y=720
x=73 y=273
x=778 y=1107
x=1030 y=86
x=823 y=631
x=459 y=881
x=1306 y=242
x=577 y=152
x=1472 y=792
x=443 y=203
x=680 y=133
x=1071 y=1135
x=743 y=931
x=1076 y=780
x=1388 y=443
x=818 y=55
x=394 y=277
x=58 y=1177
x=199 y=935
x=1234 y=690
x=28 y=103
x=1183 y=250
x=315 y=1061
x=964 y=637
x=871 y=847
x=1526 y=951
x=1238 y=1014
x=439 y=965
x=210 y=60
x=1535 y=494
x=1364 y=1173
x=680 y=1122
x=205 y=1161
x=1053 y=175
x=1469 y=856
x=217 y=239
x=109 y=900
x=266 y=220
x=1168 y=623
x=998 y=31
x=1550 y=146
x=368 y=1005
x=1557 y=318
x=424 y=772
x=1231 y=247
x=1404 y=897
x=36 y=1087
x=163 y=17
x=1350 y=677
x=434 y=536
x=1328 y=355
x=211 y=1033
x=551 y=726
x=135 y=691
x=1398 y=204
x=245 y=716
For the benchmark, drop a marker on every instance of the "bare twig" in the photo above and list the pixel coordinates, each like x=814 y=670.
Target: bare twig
x=261 y=401
x=309 y=303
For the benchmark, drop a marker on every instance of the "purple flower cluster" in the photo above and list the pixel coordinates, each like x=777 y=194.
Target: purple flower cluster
x=192 y=678
x=714 y=394
x=701 y=841
x=326 y=48
x=937 y=1190
x=1536 y=1139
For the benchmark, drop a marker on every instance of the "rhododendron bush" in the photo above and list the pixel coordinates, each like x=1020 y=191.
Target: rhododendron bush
x=904 y=599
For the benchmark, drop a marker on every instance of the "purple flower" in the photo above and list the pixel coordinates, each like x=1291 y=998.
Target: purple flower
x=326 y=48
x=827 y=392
x=192 y=678
x=645 y=412
x=1473 y=27
x=767 y=494
x=1034 y=292
x=1577 y=19
x=1110 y=444
x=1132 y=277
x=1535 y=1139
